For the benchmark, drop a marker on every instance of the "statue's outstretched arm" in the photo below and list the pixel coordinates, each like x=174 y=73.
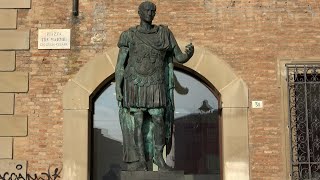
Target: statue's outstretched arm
x=122 y=57
x=183 y=57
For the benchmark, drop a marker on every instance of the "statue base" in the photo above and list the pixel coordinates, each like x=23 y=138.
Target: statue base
x=151 y=175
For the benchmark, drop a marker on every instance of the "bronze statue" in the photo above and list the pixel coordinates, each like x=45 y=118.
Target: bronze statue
x=144 y=88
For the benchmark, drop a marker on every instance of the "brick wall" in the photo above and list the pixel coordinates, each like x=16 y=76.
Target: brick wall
x=249 y=35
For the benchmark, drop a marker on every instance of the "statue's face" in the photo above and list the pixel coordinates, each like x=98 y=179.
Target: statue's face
x=147 y=12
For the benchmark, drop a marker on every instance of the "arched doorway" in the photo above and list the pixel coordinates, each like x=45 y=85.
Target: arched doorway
x=91 y=77
x=196 y=140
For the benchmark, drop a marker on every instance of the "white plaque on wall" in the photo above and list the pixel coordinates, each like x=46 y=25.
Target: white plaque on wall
x=257 y=104
x=54 y=39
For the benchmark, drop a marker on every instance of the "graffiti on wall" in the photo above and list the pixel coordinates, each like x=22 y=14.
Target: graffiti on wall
x=51 y=174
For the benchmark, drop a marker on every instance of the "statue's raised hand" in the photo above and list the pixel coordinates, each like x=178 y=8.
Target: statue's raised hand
x=189 y=50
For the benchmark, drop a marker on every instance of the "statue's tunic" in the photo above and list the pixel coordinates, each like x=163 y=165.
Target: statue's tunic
x=144 y=83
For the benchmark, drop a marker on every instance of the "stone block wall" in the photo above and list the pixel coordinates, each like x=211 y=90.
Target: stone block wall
x=13 y=125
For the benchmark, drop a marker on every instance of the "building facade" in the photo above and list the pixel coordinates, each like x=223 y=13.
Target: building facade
x=245 y=50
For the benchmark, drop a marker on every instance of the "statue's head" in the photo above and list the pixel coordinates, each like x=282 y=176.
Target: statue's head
x=147 y=11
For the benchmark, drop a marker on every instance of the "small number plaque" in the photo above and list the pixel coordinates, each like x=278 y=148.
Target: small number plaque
x=257 y=104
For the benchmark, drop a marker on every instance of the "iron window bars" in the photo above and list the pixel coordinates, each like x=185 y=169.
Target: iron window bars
x=304 y=120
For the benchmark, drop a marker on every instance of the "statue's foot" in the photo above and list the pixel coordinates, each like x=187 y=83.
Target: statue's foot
x=162 y=166
x=165 y=168
x=136 y=166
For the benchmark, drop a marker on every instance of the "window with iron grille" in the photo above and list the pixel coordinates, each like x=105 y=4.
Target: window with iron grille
x=304 y=120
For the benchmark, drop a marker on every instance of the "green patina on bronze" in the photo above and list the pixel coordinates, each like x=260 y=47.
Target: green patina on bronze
x=144 y=89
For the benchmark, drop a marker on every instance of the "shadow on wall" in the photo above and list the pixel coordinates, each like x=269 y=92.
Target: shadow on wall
x=107 y=157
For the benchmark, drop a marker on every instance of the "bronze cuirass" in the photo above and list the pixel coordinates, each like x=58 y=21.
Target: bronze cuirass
x=145 y=64
x=145 y=59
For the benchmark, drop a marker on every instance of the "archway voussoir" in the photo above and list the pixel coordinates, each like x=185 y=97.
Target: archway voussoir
x=75 y=97
x=112 y=56
x=215 y=70
x=94 y=72
x=235 y=95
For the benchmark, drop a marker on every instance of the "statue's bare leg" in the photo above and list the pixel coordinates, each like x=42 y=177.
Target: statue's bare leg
x=158 y=134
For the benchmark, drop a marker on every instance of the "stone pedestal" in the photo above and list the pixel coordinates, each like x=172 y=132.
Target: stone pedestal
x=151 y=175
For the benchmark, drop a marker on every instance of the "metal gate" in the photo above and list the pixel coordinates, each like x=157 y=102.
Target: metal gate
x=304 y=120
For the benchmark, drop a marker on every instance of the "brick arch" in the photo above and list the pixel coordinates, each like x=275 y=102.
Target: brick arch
x=234 y=97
